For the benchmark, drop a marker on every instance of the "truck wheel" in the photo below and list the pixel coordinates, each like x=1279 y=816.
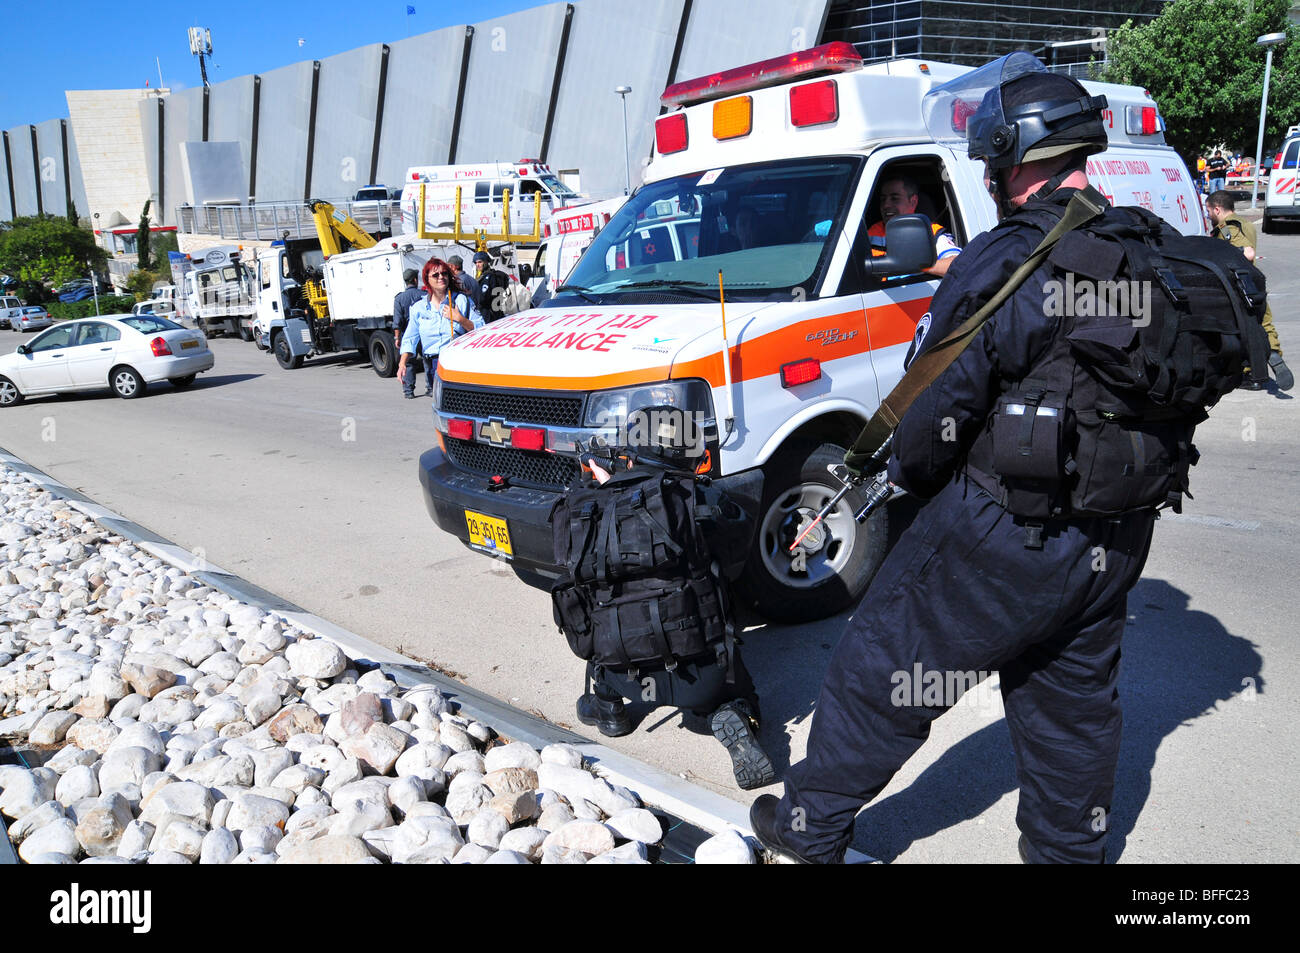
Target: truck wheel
x=284 y=356
x=383 y=355
x=835 y=562
x=245 y=332
x=1268 y=225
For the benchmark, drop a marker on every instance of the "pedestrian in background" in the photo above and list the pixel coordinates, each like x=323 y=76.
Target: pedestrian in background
x=464 y=281
x=401 y=316
x=1228 y=226
x=438 y=318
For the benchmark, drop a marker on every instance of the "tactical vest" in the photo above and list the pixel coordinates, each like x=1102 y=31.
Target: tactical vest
x=1154 y=328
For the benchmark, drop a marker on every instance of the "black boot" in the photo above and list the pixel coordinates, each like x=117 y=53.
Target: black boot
x=608 y=716
x=1281 y=373
x=770 y=829
x=735 y=725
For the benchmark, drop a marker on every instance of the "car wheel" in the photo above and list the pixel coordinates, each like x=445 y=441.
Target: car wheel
x=10 y=395
x=180 y=383
x=126 y=382
x=383 y=355
x=286 y=358
x=835 y=562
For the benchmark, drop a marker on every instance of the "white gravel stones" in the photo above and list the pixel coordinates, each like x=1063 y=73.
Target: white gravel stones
x=192 y=728
x=725 y=848
x=316 y=658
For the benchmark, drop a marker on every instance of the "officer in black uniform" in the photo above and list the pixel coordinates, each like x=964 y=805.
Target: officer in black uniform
x=970 y=588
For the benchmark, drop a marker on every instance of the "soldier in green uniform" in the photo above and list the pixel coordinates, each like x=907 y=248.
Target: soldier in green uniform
x=1219 y=206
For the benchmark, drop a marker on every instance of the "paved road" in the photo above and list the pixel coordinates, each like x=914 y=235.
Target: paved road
x=305 y=483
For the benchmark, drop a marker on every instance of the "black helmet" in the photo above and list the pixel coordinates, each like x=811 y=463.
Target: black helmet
x=1012 y=110
x=1035 y=116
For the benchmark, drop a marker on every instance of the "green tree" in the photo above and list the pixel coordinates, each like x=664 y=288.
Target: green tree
x=47 y=248
x=161 y=244
x=142 y=238
x=1200 y=62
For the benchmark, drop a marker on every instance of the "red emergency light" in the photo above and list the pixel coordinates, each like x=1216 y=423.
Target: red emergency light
x=814 y=103
x=528 y=438
x=837 y=57
x=670 y=133
x=801 y=372
x=460 y=429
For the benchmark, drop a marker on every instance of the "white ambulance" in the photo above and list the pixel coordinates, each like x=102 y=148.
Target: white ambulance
x=482 y=187
x=1280 y=200
x=775 y=169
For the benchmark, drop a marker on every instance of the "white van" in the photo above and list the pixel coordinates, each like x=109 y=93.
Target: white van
x=1280 y=202
x=778 y=373
x=10 y=309
x=482 y=188
x=565 y=236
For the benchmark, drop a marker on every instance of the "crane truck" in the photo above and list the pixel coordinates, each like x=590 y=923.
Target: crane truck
x=344 y=300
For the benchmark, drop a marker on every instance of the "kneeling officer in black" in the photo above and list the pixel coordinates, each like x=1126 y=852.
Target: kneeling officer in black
x=972 y=588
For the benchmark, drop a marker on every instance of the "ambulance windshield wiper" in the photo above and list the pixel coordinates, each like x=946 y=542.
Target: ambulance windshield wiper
x=587 y=293
x=694 y=288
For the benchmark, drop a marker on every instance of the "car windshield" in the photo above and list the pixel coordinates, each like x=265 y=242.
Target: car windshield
x=33 y=310
x=148 y=323
x=766 y=227
x=558 y=188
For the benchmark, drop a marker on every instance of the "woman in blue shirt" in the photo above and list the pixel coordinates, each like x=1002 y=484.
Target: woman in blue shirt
x=438 y=318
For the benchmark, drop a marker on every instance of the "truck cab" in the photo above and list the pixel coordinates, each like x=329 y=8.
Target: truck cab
x=731 y=307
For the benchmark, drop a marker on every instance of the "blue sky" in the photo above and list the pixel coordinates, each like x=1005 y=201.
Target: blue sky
x=54 y=46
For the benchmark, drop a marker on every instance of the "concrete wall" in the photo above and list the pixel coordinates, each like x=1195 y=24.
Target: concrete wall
x=282 y=136
x=79 y=197
x=345 y=122
x=588 y=130
x=23 y=167
x=230 y=119
x=423 y=76
x=49 y=149
x=511 y=69
x=727 y=33
x=184 y=123
x=5 y=208
x=108 y=138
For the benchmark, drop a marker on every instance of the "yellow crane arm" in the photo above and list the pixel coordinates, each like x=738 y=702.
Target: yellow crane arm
x=334 y=227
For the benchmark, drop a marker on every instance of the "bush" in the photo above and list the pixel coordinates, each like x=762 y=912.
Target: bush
x=108 y=304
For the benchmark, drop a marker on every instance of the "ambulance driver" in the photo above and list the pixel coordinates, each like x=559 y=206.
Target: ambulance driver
x=899 y=196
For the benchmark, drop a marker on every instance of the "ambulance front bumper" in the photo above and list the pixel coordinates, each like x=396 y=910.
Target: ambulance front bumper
x=450 y=493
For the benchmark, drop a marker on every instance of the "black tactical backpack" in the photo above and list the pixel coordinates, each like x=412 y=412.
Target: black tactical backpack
x=641 y=588
x=1103 y=424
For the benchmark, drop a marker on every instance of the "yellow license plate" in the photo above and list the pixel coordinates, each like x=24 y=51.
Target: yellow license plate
x=185 y=344
x=488 y=533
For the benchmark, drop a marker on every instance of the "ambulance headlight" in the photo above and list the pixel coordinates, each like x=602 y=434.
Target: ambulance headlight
x=660 y=415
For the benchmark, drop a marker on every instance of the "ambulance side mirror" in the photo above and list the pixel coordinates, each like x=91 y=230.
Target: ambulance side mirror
x=909 y=247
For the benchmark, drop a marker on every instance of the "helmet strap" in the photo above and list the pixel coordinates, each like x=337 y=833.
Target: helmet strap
x=1072 y=165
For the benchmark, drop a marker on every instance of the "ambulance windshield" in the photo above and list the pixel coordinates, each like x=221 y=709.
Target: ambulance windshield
x=767 y=227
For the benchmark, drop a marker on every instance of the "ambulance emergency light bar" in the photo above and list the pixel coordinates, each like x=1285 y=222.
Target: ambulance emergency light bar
x=837 y=57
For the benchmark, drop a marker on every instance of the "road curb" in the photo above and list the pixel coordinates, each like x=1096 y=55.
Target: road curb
x=673 y=795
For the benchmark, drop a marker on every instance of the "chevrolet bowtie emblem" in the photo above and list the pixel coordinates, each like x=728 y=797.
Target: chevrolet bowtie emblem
x=495 y=432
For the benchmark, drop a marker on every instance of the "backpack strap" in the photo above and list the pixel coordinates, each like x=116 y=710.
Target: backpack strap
x=1085 y=205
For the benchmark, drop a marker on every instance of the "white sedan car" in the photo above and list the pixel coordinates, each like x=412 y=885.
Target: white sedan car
x=123 y=352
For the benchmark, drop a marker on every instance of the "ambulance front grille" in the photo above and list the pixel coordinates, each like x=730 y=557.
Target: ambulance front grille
x=537 y=468
x=514 y=406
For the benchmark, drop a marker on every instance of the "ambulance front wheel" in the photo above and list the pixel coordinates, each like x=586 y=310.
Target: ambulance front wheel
x=830 y=569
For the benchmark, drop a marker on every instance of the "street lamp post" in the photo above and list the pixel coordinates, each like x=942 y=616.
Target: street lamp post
x=94 y=285
x=1268 y=41
x=627 y=160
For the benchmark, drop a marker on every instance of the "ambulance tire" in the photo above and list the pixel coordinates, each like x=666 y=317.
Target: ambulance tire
x=383 y=353
x=839 y=563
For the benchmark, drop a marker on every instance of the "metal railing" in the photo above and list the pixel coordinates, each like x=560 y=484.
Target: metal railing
x=274 y=220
